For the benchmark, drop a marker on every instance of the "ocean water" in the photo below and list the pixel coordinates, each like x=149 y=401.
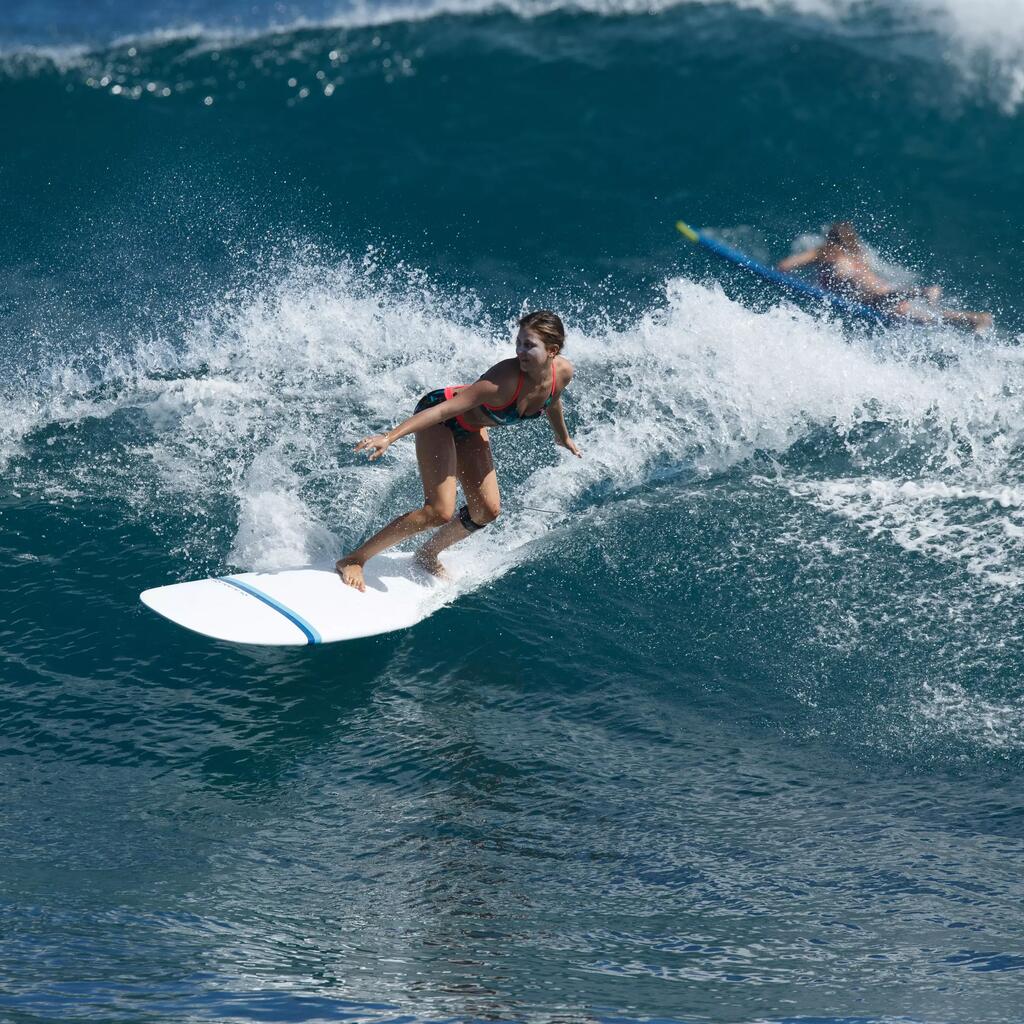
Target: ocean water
x=732 y=731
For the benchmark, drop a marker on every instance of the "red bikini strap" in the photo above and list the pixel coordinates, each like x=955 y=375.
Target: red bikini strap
x=512 y=400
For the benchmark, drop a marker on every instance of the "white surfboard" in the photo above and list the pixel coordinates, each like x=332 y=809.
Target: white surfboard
x=302 y=606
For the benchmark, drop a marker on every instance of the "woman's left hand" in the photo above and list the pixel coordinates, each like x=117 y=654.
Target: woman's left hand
x=375 y=445
x=568 y=444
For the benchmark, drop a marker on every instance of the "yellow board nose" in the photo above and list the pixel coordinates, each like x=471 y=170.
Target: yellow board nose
x=685 y=229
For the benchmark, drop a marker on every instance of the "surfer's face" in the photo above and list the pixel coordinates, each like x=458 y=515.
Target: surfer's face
x=531 y=352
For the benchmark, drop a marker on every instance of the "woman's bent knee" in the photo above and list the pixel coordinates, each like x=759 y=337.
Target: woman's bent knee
x=487 y=512
x=437 y=515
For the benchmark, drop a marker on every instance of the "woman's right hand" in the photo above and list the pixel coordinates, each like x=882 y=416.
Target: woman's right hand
x=375 y=445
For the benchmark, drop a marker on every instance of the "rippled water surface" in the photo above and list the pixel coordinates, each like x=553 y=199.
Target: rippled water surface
x=723 y=723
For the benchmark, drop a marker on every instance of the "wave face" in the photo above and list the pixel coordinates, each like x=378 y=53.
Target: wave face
x=724 y=721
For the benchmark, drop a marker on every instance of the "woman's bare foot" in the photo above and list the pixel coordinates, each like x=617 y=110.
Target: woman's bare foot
x=431 y=564
x=982 y=322
x=351 y=572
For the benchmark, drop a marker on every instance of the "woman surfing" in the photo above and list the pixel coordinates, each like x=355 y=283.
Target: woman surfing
x=452 y=444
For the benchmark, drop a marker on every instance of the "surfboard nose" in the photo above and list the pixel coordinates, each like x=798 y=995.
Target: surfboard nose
x=301 y=606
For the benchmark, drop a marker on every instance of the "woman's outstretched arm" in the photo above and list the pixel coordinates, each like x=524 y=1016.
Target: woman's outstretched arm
x=468 y=398
x=798 y=260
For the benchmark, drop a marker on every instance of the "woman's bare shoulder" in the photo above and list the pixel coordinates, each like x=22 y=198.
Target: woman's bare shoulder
x=500 y=372
x=564 y=369
x=500 y=379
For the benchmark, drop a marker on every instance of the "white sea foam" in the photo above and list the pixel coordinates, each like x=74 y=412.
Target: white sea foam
x=263 y=398
x=948 y=708
x=234 y=438
x=980 y=528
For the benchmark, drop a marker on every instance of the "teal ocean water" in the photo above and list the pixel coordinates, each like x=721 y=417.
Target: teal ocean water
x=731 y=732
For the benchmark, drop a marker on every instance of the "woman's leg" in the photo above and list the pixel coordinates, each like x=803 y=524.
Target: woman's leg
x=479 y=482
x=973 y=321
x=435 y=452
x=954 y=317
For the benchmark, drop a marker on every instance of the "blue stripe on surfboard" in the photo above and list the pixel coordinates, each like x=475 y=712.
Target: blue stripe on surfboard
x=311 y=633
x=788 y=281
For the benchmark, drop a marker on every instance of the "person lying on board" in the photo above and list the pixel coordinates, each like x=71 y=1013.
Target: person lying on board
x=844 y=268
x=452 y=445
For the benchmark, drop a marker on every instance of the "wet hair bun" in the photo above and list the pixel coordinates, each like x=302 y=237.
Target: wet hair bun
x=547 y=326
